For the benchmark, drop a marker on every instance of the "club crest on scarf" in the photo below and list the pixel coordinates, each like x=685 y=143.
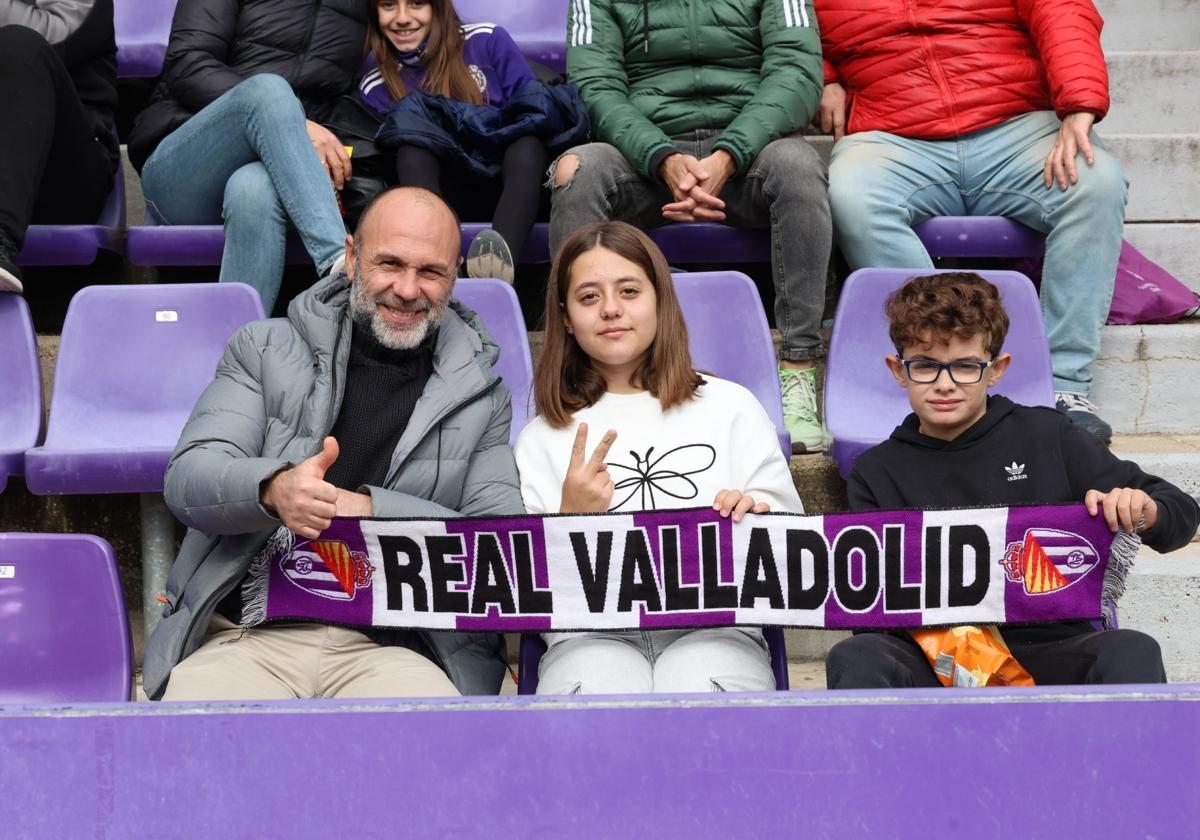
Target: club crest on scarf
x=1048 y=560
x=327 y=568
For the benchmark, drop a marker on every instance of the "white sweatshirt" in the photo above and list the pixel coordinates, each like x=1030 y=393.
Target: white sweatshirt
x=721 y=439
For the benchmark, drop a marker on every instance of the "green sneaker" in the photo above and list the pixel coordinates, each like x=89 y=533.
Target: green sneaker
x=800 y=414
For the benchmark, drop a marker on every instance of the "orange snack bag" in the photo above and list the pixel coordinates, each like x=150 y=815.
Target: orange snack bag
x=968 y=656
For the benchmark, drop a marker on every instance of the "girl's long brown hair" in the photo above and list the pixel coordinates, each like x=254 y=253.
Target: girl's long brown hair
x=565 y=380
x=446 y=73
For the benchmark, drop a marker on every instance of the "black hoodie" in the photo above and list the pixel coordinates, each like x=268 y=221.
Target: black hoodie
x=1014 y=455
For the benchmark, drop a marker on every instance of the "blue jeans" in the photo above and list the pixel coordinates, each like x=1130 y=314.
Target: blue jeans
x=881 y=184
x=247 y=159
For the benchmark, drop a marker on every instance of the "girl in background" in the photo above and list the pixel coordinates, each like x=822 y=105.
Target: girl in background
x=422 y=45
x=625 y=424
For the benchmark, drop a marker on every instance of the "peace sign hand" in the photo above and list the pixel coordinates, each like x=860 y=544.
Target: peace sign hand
x=588 y=488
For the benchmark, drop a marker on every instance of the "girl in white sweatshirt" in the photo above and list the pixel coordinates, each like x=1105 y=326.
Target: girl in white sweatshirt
x=625 y=424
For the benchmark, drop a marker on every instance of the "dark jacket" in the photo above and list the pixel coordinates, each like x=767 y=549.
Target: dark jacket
x=1014 y=455
x=81 y=32
x=215 y=44
x=277 y=391
x=474 y=137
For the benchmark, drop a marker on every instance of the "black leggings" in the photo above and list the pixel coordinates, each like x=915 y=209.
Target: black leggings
x=51 y=167
x=520 y=188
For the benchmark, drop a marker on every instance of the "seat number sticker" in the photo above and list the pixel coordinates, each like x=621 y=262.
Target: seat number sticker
x=7 y=572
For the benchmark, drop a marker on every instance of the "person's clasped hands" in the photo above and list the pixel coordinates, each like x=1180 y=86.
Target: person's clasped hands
x=696 y=185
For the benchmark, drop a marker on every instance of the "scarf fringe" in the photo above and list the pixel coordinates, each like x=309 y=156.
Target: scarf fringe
x=1120 y=563
x=254 y=588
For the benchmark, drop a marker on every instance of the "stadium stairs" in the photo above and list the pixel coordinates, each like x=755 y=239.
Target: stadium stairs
x=1147 y=380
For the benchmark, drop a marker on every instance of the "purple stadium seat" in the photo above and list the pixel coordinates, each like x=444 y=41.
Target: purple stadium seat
x=532 y=649
x=539 y=27
x=64 y=635
x=78 y=244
x=496 y=303
x=701 y=242
x=158 y=244
x=979 y=236
x=143 y=29
x=132 y=361
x=21 y=384
x=863 y=404
x=712 y=301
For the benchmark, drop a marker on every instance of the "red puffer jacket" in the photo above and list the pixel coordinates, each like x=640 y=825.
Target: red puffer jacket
x=933 y=69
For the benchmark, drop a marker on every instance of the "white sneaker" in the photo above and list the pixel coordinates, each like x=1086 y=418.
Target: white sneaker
x=490 y=256
x=10 y=277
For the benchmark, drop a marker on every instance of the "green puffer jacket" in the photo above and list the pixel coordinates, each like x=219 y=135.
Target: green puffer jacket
x=652 y=69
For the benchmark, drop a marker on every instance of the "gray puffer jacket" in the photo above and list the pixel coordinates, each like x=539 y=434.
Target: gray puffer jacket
x=276 y=395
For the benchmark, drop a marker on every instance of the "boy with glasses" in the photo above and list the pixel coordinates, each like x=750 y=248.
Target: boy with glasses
x=963 y=448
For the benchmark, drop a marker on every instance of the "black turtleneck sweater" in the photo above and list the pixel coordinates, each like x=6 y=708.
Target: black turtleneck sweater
x=382 y=388
x=1014 y=455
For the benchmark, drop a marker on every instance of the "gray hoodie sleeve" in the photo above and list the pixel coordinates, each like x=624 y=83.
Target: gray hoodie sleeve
x=54 y=20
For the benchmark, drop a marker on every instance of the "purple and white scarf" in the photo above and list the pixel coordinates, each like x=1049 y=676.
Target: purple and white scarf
x=691 y=568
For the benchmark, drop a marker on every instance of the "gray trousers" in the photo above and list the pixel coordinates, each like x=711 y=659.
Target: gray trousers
x=785 y=189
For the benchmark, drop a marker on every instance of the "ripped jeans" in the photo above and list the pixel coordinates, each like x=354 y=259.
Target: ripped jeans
x=784 y=189
x=658 y=661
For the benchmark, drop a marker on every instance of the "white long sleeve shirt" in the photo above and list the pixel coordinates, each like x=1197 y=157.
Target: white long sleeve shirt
x=721 y=439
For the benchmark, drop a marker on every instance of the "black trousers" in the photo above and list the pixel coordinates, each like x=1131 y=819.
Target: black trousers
x=52 y=168
x=512 y=202
x=1054 y=654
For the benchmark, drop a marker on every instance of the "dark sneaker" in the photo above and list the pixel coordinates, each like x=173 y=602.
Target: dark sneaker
x=1083 y=412
x=10 y=276
x=490 y=256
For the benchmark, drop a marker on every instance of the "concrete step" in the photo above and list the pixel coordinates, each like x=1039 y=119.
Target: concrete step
x=1145 y=378
x=1163 y=172
x=1149 y=24
x=1173 y=457
x=1174 y=246
x=1153 y=91
x=1163 y=599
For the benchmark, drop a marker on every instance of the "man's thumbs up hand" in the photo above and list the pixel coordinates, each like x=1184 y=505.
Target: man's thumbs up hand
x=301 y=497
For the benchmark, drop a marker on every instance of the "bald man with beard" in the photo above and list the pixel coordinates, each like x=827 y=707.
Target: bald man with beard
x=337 y=410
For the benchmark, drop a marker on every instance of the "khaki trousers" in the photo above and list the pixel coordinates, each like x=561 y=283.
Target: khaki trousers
x=300 y=661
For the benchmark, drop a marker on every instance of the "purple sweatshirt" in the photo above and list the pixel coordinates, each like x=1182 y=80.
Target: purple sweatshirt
x=490 y=54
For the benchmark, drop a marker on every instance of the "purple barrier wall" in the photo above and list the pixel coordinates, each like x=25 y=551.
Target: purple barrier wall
x=985 y=763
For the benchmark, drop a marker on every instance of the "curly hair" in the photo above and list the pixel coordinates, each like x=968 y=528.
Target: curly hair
x=952 y=303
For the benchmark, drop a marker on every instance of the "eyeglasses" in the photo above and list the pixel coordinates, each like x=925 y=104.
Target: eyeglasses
x=964 y=372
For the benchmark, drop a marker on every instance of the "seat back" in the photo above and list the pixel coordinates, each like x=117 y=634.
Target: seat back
x=862 y=402
x=64 y=634
x=496 y=304
x=131 y=364
x=979 y=236
x=539 y=27
x=21 y=384
x=729 y=337
x=55 y=244
x=143 y=28
x=533 y=647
